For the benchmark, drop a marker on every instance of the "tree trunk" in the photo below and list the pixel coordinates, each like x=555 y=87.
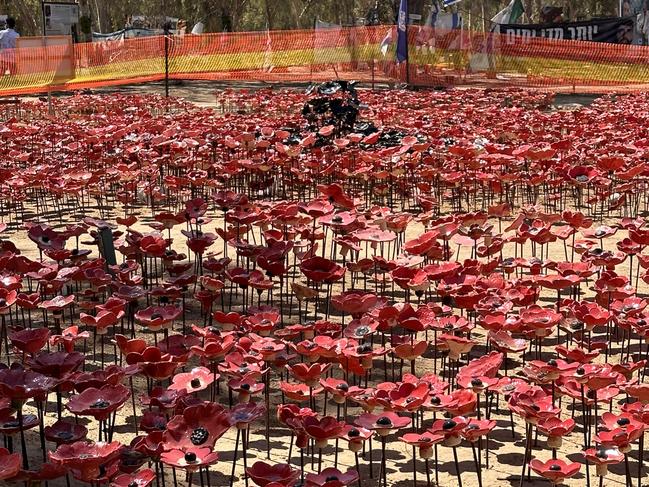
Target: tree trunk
x=269 y=17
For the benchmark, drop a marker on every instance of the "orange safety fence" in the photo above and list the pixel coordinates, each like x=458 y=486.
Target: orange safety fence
x=437 y=57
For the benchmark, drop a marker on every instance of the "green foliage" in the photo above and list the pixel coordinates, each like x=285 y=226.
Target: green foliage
x=242 y=15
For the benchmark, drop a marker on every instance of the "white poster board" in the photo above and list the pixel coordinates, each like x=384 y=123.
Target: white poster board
x=59 y=18
x=60 y=60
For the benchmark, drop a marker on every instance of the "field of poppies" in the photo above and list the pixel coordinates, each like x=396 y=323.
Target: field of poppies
x=325 y=289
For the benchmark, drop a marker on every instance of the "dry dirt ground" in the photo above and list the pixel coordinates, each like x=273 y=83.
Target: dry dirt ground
x=505 y=451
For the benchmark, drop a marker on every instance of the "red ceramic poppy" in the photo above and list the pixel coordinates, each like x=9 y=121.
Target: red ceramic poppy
x=264 y=474
x=322 y=429
x=191 y=459
x=9 y=464
x=533 y=405
x=424 y=442
x=383 y=423
x=29 y=340
x=142 y=478
x=199 y=426
x=86 y=458
x=153 y=363
x=68 y=337
x=477 y=428
x=157 y=317
x=99 y=403
x=198 y=379
x=243 y=414
x=63 y=432
x=331 y=477
x=322 y=270
x=450 y=429
x=556 y=429
x=555 y=470
x=46 y=238
x=602 y=457
x=163 y=399
x=308 y=374
x=56 y=364
x=18 y=384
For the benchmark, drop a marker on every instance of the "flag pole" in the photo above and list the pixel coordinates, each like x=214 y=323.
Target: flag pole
x=407 y=46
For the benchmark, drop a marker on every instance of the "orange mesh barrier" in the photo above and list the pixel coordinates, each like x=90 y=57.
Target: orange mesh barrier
x=436 y=58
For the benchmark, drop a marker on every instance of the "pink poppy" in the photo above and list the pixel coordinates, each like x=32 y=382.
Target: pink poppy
x=198 y=379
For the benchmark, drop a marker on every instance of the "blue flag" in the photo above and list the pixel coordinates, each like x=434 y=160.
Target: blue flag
x=402 y=32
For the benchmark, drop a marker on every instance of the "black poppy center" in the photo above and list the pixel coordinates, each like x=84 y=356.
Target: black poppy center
x=581 y=371
x=362 y=330
x=384 y=421
x=623 y=421
x=156 y=316
x=353 y=433
x=245 y=387
x=342 y=387
x=552 y=363
x=199 y=436
x=555 y=467
x=3 y=302
x=190 y=457
x=365 y=348
x=435 y=400
x=449 y=424
x=195 y=383
x=100 y=404
x=601 y=454
x=476 y=382
x=64 y=435
x=331 y=478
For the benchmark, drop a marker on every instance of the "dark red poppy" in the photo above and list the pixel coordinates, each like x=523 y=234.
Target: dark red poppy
x=63 y=432
x=112 y=374
x=29 y=340
x=319 y=269
x=331 y=477
x=9 y=464
x=163 y=399
x=19 y=384
x=262 y=473
x=99 y=403
x=56 y=364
